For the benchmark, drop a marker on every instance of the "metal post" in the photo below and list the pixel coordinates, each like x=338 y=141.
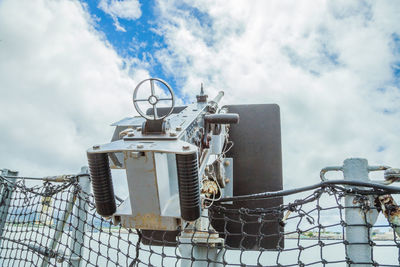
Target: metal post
x=5 y=198
x=59 y=227
x=200 y=253
x=79 y=219
x=357 y=233
x=200 y=244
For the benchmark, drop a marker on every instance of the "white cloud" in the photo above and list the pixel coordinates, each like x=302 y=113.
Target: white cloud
x=61 y=86
x=322 y=63
x=126 y=9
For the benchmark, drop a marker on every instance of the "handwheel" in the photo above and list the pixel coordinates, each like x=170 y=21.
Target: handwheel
x=153 y=100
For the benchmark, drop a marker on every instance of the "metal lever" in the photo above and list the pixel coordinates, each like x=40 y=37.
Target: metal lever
x=224 y=118
x=218 y=119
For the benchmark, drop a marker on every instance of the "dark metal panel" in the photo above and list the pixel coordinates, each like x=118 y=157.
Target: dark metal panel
x=257 y=167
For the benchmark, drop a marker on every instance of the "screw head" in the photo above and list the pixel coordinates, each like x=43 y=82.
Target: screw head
x=139 y=146
x=185 y=147
x=172 y=134
x=96 y=146
x=226 y=163
x=227 y=180
x=179 y=128
x=131 y=134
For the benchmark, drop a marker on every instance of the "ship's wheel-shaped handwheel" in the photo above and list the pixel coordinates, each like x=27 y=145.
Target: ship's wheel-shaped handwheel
x=153 y=100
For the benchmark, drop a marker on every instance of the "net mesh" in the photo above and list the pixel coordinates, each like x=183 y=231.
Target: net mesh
x=55 y=224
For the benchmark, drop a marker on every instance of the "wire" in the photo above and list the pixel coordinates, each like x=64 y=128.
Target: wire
x=331 y=183
x=136 y=259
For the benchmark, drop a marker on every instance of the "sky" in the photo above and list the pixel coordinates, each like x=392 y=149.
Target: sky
x=68 y=70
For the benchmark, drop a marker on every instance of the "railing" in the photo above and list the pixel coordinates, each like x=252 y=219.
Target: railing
x=350 y=222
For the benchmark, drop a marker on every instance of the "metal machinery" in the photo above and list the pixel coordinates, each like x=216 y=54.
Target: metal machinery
x=177 y=164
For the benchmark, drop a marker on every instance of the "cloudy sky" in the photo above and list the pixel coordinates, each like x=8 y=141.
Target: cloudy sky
x=68 y=70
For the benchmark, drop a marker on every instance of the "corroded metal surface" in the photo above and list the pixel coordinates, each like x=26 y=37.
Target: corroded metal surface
x=390 y=209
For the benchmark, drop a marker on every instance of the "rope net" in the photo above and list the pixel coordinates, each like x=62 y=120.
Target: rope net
x=55 y=224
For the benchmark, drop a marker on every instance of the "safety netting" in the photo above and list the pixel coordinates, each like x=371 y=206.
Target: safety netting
x=333 y=223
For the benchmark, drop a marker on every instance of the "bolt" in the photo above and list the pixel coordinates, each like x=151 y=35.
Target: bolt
x=131 y=134
x=139 y=129
x=172 y=134
x=139 y=146
x=227 y=180
x=179 y=128
x=185 y=147
x=96 y=146
x=227 y=163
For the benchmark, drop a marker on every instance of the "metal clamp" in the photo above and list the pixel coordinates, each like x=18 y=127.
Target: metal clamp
x=329 y=169
x=391 y=174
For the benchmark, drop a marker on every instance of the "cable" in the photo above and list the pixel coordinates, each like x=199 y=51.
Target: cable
x=281 y=193
x=136 y=259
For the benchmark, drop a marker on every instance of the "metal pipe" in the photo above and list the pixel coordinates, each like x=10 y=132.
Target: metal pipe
x=5 y=198
x=213 y=104
x=56 y=179
x=80 y=218
x=358 y=235
x=218 y=97
x=329 y=169
x=199 y=243
x=60 y=224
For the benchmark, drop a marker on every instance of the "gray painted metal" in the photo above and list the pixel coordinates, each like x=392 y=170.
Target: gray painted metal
x=207 y=243
x=59 y=227
x=201 y=254
x=186 y=120
x=79 y=220
x=357 y=169
x=155 y=206
x=5 y=198
x=149 y=160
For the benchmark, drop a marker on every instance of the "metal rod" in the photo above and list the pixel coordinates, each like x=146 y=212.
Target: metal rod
x=36 y=248
x=79 y=220
x=60 y=224
x=57 y=179
x=213 y=104
x=5 y=198
x=218 y=97
x=200 y=244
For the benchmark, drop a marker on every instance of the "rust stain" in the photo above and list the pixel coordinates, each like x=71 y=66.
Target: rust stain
x=151 y=170
x=148 y=221
x=388 y=206
x=209 y=188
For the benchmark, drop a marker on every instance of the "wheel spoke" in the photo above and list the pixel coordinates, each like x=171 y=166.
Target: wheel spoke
x=155 y=112
x=152 y=87
x=164 y=99
x=140 y=100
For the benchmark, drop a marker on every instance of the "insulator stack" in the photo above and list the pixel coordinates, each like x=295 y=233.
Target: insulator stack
x=103 y=190
x=188 y=181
